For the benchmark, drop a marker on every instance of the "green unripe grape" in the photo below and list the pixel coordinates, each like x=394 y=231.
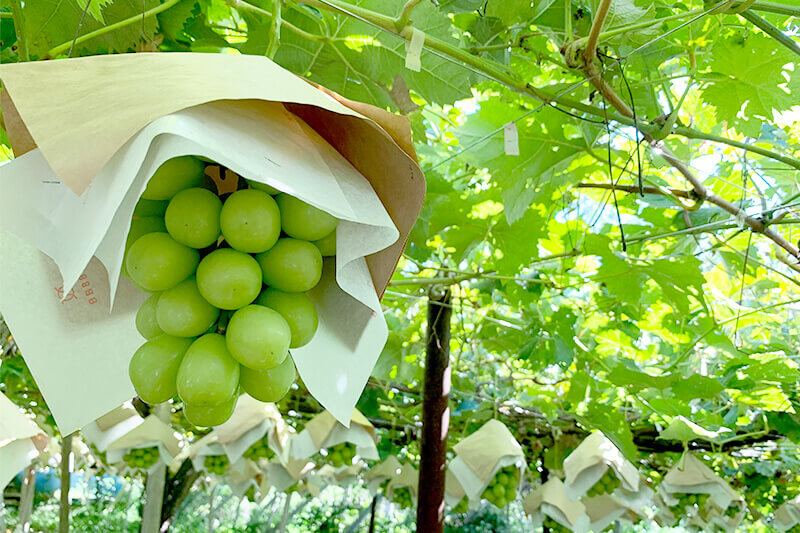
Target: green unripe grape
x=291 y=265
x=208 y=375
x=268 y=385
x=304 y=221
x=250 y=221
x=503 y=479
x=173 y=176
x=157 y=262
x=182 y=312
x=139 y=227
x=297 y=309
x=336 y=458
x=150 y=208
x=327 y=244
x=499 y=491
x=262 y=187
x=154 y=367
x=216 y=464
x=228 y=279
x=207 y=416
x=192 y=217
x=146 y=323
x=258 y=337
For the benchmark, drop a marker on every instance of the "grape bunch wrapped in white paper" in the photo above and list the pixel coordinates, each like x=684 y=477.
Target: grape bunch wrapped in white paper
x=228 y=275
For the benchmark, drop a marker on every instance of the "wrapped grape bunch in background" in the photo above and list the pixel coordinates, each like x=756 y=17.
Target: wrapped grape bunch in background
x=228 y=275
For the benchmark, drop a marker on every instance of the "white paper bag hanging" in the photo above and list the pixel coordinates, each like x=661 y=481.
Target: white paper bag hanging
x=590 y=461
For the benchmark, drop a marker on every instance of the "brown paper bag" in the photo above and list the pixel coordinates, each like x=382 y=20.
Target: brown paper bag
x=382 y=472
x=324 y=431
x=691 y=475
x=589 y=462
x=481 y=455
x=551 y=500
x=408 y=477
x=104 y=127
x=787 y=515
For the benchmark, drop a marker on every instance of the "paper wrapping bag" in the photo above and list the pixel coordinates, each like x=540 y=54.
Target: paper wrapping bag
x=481 y=455
x=21 y=441
x=454 y=493
x=691 y=475
x=151 y=431
x=251 y=421
x=120 y=145
x=382 y=472
x=283 y=476
x=605 y=510
x=551 y=500
x=241 y=475
x=787 y=515
x=408 y=477
x=589 y=462
x=324 y=431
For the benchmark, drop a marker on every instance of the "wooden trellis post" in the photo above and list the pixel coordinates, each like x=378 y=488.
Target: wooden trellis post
x=435 y=413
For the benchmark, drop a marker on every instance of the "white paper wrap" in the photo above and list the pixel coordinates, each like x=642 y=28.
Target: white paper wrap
x=787 y=515
x=589 y=462
x=134 y=432
x=691 y=475
x=321 y=433
x=551 y=500
x=258 y=141
x=250 y=422
x=481 y=455
x=19 y=436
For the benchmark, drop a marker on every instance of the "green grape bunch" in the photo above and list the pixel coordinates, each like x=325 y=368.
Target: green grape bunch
x=553 y=526
x=502 y=489
x=605 y=485
x=216 y=464
x=689 y=499
x=141 y=458
x=402 y=497
x=342 y=454
x=228 y=278
x=259 y=450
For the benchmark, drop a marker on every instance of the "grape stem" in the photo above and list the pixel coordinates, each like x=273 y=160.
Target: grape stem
x=56 y=50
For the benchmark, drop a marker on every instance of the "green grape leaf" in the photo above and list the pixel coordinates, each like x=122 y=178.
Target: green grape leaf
x=48 y=23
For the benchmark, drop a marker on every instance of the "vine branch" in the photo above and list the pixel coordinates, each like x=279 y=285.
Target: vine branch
x=405 y=13
x=56 y=50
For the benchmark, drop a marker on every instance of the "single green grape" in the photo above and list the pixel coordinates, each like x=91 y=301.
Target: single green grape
x=208 y=375
x=304 y=221
x=291 y=265
x=258 y=337
x=216 y=464
x=146 y=323
x=327 y=244
x=173 y=176
x=268 y=385
x=193 y=217
x=183 y=312
x=139 y=227
x=157 y=262
x=262 y=187
x=208 y=416
x=250 y=221
x=228 y=279
x=259 y=450
x=153 y=369
x=297 y=309
x=150 y=208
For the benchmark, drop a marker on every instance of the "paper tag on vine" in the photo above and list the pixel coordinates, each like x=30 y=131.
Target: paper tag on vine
x=511 y=138
x=414 y=50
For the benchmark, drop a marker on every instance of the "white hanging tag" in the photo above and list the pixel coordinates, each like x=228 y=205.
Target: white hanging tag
x=511 y=138
x=414 y=50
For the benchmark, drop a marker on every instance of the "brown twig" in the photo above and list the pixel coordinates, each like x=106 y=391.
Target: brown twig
x=701 y=193
x=635 y=189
